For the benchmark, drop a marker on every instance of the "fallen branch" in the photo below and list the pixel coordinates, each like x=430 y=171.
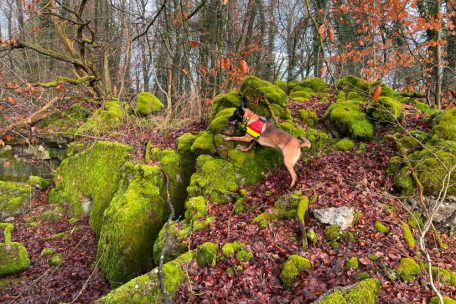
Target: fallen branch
x=38 y=115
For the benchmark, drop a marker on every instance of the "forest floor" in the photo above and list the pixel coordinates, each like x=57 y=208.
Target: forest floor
x=336 y=178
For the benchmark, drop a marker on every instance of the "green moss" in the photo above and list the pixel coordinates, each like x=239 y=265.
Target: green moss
x=67 y=120
x=179 y=169
x=262 y=219
x=259 y=93
x=408 y=269
x=215 y=179
x=309 y=117
x=93 y=173
x=415 y=219
x=239 y=205
x=105 y=119
x=312 y=236
x=145 y=289
x=333 y=233
x=373 y=257
x=196 y=208
x=300 y=96
x=231 y=99
x=443 y=276
x=287 y=205
x=314 y=84
x=352 y=95
x=291 y=268
x=446 y=300
x=14 y=198
x=244 y=256
x=147 y=103
x=380 y=227
x=281 y=84
x=131 y=222
x=446 y=127
x=408 y=235
x=363 y=276
x=47 y=252
x=344 y=145
x=13 y=258
x=385 y=110
x=220 y=122
x=289 y=127
x=317 y=138
x=56 y=259
x=413 y=140
x=184 y=143
x=38 y=182
x=351 y=264
x=206 y=254
x=204 y=143
x=365 y=292
x=178 y=233
x=349 y=120
x=230 y=249
x=335 y=297
x=404 y=182
x=301 y=210
x=51 y=215
x=394 y=165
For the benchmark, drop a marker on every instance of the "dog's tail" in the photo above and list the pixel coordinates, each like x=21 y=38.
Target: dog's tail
x=305 y=143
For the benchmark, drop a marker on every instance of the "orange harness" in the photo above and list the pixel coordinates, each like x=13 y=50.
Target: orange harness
x=254 y=128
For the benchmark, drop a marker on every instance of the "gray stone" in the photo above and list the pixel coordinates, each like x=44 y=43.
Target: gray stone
x=342 y=216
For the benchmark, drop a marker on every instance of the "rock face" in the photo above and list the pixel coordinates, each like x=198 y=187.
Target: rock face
x=14 y=198
x=342 y=216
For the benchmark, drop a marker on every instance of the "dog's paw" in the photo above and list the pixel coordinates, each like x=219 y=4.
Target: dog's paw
x=224 y=137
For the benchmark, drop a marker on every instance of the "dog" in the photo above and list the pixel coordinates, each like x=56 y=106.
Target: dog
x=266 y=134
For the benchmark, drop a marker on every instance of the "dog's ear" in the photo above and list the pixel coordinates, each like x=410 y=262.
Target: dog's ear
x=242 y=106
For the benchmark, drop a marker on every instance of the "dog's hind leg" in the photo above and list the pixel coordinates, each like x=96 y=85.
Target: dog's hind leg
x=291 y=155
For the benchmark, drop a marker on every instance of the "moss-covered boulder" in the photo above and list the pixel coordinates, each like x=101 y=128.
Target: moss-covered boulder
x=365 y=292
x=131 y=223
x=206 y=254
x=179 y=171
x=215 y=179
x=351 y=263
x=309 y=117
x=14 y=198
x=92 y=174
x=13 y=255
x=294 y=265
x=446 y=127
x=444 y=276
x=147 y=103
x=237 y=249
x=344 y=144
x=263 y=97
x=365 y=88
x=231 y=99
x=385 y=110
x=347 y=118
x=204 y=143
x=408 y=269
x=145 y=289
x=314 y=84
x=105 y=119
x=220 y=122
x=317 y=138
x=38 y=182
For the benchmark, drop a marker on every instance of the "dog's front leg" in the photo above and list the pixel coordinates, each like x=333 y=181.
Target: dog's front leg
x=250 y=147
x=245 y=138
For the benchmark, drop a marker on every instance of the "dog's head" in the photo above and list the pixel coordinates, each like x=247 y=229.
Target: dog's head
x=238 y=115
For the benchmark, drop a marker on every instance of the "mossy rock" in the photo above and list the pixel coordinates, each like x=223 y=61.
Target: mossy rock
x=289 y=127
x=131 y=223
x=286 y=207
x=351 y=264
x=215 y=179
x=262 y=220
x=403 y=182
x=318 y=139
x=309 y=117
x=364 y=88
x=446 y=300
x=231 y=99
x=14 y=198
x=385 y=110
x=38 y=182
x=408 y=269
x=105 y=119
x=348 y=119
x=13 y=258
x=147 y=103
x=56 y=260
x=366 y=292
x=206 y=254
x=314 y=84
x=93 y=173
x=145 y=289
x=446 y=127
x=333 y=233
x=281 y=84
x=220 y=122
x=443 y=276
x=312 y=236
x=344 y=144
x=294 y=265
x=179 y=169
x=259 y=93
x=237 y=249
x=412 y=141
x=380 y=227
x=68 y=120
x=196 y=208
x=204 y=143
x=300 y=96
x=408 y=235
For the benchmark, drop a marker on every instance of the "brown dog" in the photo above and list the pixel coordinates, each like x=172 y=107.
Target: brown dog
x=268 y=135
